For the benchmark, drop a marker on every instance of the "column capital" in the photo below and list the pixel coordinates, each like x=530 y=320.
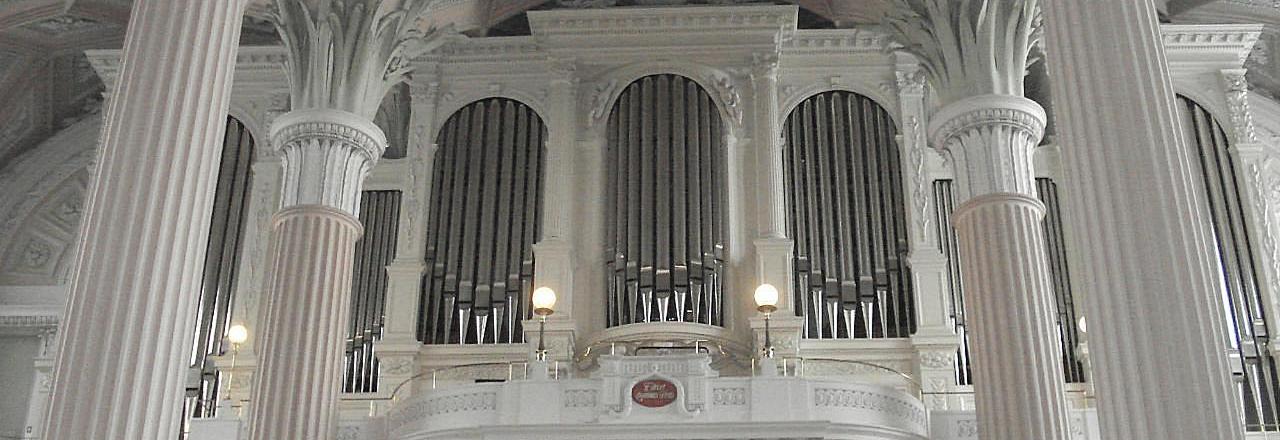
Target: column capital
x=968 y=50
x=991 y=139
x=327 y=154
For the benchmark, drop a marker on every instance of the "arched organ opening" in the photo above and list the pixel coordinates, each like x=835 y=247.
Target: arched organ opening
x=484 y=219
x=846 y=215
x=665 y=210
x=1247 y=330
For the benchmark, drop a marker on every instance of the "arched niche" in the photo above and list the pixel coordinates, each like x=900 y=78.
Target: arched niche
x=484 y=217
x=847 y=216
x=666 y=206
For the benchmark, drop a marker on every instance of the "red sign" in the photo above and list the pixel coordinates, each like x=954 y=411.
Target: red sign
x=653 y=393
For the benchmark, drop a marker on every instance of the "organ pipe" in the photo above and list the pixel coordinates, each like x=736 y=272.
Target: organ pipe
x=665 y=216
x=483 y=222
x=1248 y=334
x=380 y=215
x=217 y=288
x=844 y=193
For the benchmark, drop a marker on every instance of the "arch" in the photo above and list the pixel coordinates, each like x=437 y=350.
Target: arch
x=711 y=79
x=845 y=194
x=450 y=103
x=485 y=216
x=789 y=103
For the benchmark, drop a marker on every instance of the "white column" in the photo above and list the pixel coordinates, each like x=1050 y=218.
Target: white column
x=326 y=155
x=1155 y=302
x=1017 y=374
x=131 y=314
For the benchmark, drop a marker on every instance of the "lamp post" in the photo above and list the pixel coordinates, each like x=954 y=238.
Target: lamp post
x=544 y=301
x=767 y=302
x=236 y=334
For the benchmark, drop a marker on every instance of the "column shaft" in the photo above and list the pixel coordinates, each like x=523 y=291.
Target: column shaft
x=303 y=328
x=131 y=314
x=1016 y=368
x=1155 y=303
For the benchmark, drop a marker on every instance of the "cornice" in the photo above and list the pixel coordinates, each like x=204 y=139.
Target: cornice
x=829 y=41
x=486 y=50
x=252 y=63
x=1210 y=45
x=28 y=321
x=695 y=19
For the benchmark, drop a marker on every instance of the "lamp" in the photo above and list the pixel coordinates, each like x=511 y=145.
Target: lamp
x=236 y=334
x=767 y=303
x=544 y=301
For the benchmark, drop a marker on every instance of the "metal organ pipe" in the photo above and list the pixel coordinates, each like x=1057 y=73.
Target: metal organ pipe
x=1248 y=333
x=217 y=289
x=482 y=225
x=665 y=227
x=380 y=215
x=847 y=218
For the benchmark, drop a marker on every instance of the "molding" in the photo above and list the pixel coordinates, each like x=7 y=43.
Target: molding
x=1203 y=47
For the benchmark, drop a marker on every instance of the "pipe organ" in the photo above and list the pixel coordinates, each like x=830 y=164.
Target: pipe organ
x=665 y=208
x=217 y=288
x=847 y=218
x=380 y=215
x=944 y=194
x=483 y=222
x=1247 y=330
x=1055 y=240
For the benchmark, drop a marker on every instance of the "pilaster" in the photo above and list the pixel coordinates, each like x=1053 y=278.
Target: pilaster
x=132 y=315
x=1118 y=116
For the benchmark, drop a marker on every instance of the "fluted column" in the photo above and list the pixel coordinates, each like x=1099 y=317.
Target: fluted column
x=976 y=57
x=1155 y=310
x=344 y=56
x=326 y=155
x=1018 y=381
x=132 y=308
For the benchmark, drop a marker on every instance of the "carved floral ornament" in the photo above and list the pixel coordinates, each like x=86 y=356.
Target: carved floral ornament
x=347 y=54
x=969 y=47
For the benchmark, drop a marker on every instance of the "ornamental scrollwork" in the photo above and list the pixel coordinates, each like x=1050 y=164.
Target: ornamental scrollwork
x=938 y=360
x=1237 y=91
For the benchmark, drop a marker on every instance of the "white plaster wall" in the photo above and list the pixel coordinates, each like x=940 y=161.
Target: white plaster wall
x=17 y=371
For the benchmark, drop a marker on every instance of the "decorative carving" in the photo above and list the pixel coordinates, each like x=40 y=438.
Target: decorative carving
x=446 y=404
x=911 y=83
x=36 y=254
x=921 y=197
x=727 y=89
x=337 y=148
x=1266 y=197
x=600 y=97
x=729 y=396
x=967 y=428
x=347 y=55
x=1237 y=91
x=580 y=398
x=969 y=51
x=349 y=433
x=868 y=400
x=938 y=360
x=991 y=138
x=396 y=365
